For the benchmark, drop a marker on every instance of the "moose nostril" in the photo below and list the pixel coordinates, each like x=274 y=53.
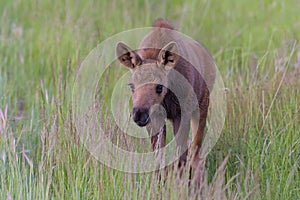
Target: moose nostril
x=136 y=114
x=144 y=117
x=134 y=109
x=140 y=116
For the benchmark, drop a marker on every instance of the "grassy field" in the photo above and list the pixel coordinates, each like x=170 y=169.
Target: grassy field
x=257 y=50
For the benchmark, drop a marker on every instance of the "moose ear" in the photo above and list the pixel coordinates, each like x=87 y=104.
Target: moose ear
x=169 y=55
x=127 y=56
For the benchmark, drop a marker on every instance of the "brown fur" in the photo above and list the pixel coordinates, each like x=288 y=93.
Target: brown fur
x=161 y=23
x=159 y=51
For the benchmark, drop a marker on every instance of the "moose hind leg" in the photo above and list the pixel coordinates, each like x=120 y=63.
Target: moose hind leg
x=198 y=124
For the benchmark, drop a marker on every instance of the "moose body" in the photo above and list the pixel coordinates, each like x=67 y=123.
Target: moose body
x=175 y=75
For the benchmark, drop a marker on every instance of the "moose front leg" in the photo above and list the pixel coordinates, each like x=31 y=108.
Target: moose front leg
x=181 y=130
x=157 y=127
x=158 y=140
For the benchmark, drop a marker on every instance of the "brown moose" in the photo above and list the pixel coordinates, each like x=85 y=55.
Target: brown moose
x=174 y=74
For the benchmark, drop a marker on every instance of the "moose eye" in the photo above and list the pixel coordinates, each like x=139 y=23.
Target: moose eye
x=159 y=89
x=131 y=87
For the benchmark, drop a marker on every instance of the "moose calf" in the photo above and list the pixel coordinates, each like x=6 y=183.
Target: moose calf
x=173 y=73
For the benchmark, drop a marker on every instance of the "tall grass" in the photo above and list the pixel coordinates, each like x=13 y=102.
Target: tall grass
x=256 y=46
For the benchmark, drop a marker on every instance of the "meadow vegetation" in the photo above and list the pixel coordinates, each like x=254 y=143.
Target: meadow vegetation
x=257 y=50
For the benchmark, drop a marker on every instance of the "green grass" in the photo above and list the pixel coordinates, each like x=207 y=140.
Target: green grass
x=255 y=44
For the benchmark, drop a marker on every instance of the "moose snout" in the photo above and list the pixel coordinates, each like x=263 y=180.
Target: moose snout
x=140 y=116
